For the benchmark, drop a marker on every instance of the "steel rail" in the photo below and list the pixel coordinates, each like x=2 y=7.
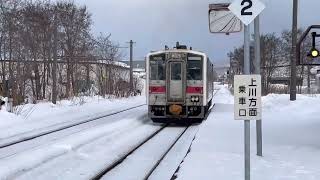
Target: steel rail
x=165 y=154
x=118 y=162
x=121 y=159
x=173 y=177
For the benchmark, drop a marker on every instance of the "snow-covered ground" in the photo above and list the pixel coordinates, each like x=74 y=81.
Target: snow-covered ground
x=83 y=154
x=291 y=145
x=291 y=133
x=46 y=117
x=47 y=114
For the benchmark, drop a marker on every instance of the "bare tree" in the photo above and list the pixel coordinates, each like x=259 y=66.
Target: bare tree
x=275 y=58
x=75 y=24
x=108 y=52
x=47 y=51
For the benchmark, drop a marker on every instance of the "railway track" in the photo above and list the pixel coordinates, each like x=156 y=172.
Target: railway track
x=157 y=169
x=122 y=159
x=171 y=142
x=120 y=169
x=13 y=142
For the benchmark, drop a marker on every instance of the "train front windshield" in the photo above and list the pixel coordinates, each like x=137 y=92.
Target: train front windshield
x=157 y=68
x=194 y=68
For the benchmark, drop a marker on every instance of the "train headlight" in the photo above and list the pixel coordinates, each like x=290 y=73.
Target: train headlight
x=195 y=99
x=158 y=108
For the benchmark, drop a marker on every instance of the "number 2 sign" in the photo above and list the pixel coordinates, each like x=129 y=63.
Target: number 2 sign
x=246 y=10
x=247 y=4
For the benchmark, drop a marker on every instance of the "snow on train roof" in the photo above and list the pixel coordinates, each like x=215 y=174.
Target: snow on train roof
x=177 y=50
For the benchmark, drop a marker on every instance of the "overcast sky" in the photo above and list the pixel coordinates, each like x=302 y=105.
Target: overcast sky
x=155 y=23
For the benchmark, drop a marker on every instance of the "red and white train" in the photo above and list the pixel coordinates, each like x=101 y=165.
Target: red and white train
x=180 y=83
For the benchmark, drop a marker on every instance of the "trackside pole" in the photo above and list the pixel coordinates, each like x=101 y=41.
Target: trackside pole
x=247 y=149
x=247 y=122
x=247 y=11
x=257 y=53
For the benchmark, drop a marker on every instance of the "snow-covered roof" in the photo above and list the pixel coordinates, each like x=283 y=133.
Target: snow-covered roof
x=139 y=70
x=315 y=70
x=116 y=63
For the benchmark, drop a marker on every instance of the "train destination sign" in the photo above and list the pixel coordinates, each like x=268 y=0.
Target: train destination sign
x=247 y=94
x=247 y=10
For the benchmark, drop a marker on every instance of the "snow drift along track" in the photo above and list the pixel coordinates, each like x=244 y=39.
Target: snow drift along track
x=48 y=130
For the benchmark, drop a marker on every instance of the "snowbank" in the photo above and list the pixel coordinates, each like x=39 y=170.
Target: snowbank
x=223 y=95
x=84 y=105
x=280 y=102
x=7 y=118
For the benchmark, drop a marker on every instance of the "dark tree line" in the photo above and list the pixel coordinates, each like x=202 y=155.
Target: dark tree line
x=276 y=55
x=42 y=31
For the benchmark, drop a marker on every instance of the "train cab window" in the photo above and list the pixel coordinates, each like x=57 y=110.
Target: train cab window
x=176 y=71
x=194 y=71
x=157 y=70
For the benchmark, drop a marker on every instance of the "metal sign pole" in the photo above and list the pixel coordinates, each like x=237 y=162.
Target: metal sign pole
x=293 y=78
x=247 y=122
x=247 y=11
x=257 y=68
x=247 y=149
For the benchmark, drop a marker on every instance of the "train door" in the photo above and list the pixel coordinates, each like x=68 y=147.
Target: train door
x=176 y=79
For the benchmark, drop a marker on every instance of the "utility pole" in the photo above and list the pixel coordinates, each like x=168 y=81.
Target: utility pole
x=309 y=84
x=257 y=64
x=230 y=74
x=131 y=64
x=54 y=65
x=293 y=81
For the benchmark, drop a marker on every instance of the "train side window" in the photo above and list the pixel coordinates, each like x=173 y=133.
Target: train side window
x=176 y=71
x=194 y=70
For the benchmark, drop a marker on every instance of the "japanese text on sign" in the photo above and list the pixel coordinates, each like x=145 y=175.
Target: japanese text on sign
x=247 y=94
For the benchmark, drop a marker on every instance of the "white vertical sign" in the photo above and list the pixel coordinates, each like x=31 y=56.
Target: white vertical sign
x=247 y=97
